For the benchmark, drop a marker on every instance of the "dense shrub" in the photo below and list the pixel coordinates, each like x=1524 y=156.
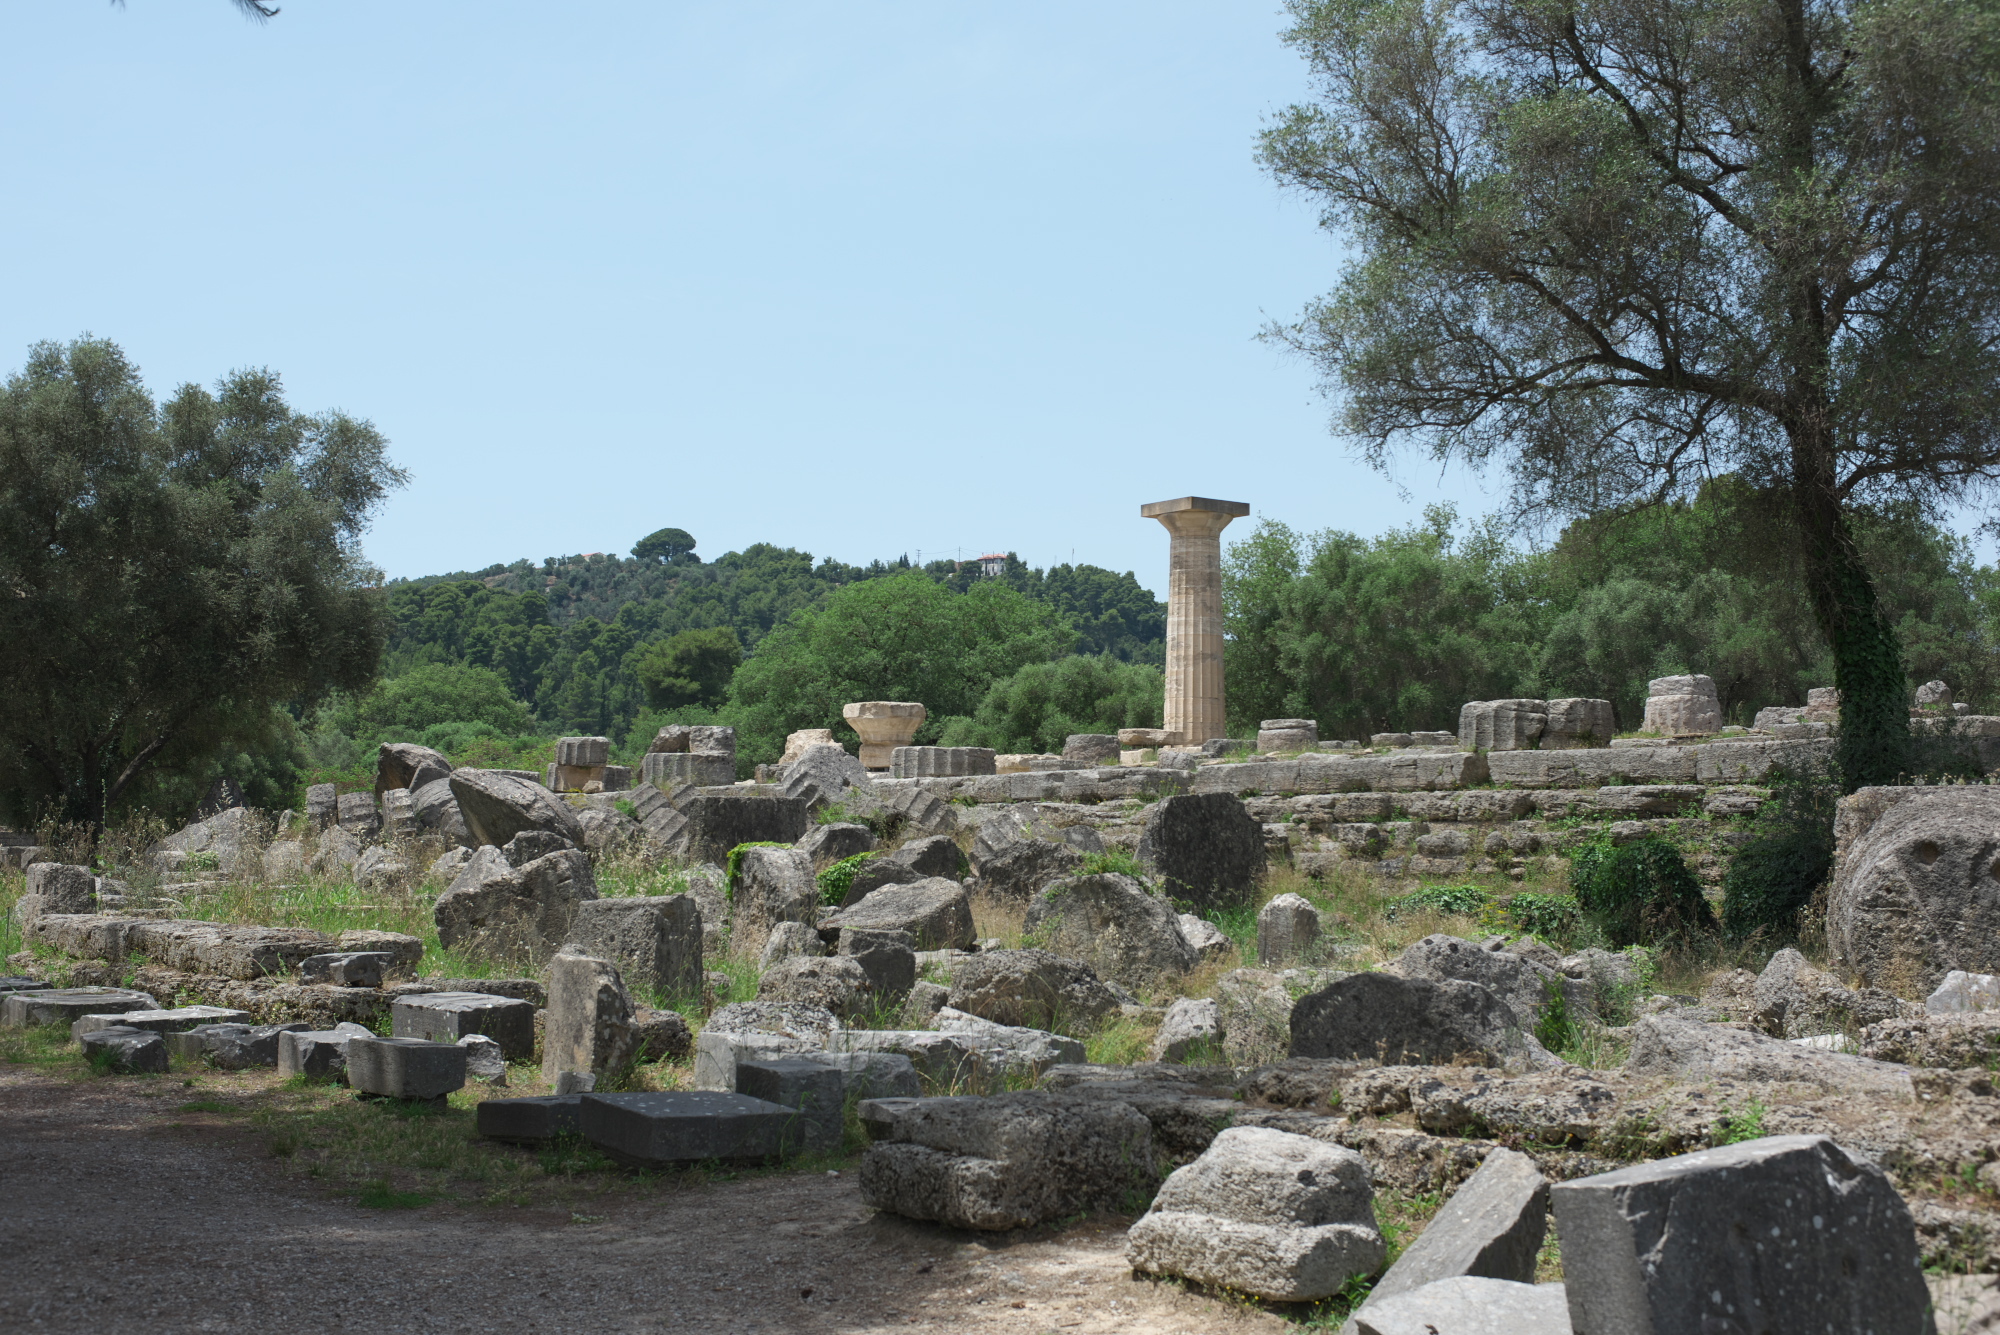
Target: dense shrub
x=1771 y=879
x=1640 y=894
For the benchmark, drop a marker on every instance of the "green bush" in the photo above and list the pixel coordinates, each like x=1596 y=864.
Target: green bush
x=1639 y=894
x=1462 y=900
x=1772 y=878
x=1552 y=917
x=1118 y=861
x=835 y=881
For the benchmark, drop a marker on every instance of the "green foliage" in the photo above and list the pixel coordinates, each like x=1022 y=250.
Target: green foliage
x=1551 y=917
x=668 y=546
x=380 y=1195
x=1556 y=1028
x=1733 y=1128
x=734 y=862
x=1459 y=900
x=437 y=695
x=1772 y=878
x=1113 y=861
x=899 y=638
x=174 y=572
x=835 y=881
x=691 y=668
x=1640 y=893
x=1039 y=706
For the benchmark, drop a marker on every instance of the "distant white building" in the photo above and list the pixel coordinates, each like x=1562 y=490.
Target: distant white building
x=993 y=566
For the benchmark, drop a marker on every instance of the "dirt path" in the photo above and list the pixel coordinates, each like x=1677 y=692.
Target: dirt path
x=114 y=1220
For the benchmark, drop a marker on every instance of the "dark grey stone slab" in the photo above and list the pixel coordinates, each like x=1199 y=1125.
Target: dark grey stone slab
x=446 y=1017
x=318 y=1053
x=1491 y=1228
x=160 y=1021
x=66 y=1005
x=132 y=1050
x=15 y=983
x=691 y=1127
x=815 y=1088
x=348 y=968
x=404 y=1068
x=529 y=1121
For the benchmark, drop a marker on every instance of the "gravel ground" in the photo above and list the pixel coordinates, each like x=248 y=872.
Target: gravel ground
x=112 y=1219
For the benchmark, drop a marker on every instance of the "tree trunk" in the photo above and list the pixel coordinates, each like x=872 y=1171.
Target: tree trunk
x=1874 y=740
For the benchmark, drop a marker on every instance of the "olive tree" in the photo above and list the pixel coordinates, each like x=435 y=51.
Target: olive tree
x=1623 y=246
x=169 y=573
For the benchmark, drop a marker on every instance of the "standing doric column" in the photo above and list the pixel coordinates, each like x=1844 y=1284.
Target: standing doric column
x=1194 y=614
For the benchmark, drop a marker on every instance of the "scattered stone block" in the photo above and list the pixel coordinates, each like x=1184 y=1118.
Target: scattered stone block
x=589 y=1025
x=719 y=822
x=878 y=1117
x=1470 y=1305
x=1206 y=849
x=1910 y=885
x=232 y=1047
x=1524 y=985
x=1682 y=706
x=658 y=1034
x=690 y=1127
x=437 y=811
x=940 y=762
x=529 y=1121
x=654 y=940
x=131 y=1051
x=797 y=742
x=1191 y=1024
x=1148 y=737
x=1031 y=988
x=56 y=887
x=1263 y=1212
x=935 y=855
x=1412 y=1022
x=496 y=806
x=816 y=1090
x=404 y=1068
x=446 y=1017
x=1084 y=749
x=408 y=766
x=936 y=912
x=703 y=769
x=1574 y=724
x=1010 y=1161
x=322 y=805
x=773 y=885
x=1787 y=1229
x=1796 y=1000
x=828 y=844
x=1287 y=734
x=1287 y=931
x=789 y=939
x=484 y=1061
x=1019 y=869
x=1491 y=1228
x=357 y=814
x=887 y=957
x=353 y=968
x=16 y=983
x=1207 y=939
x=583 y=752
x=1114 y=924
x=318 y=1053
x=65 y=1005
x=522 y=913
x=160 y=1021
x=1501 y=725
x=836 y=984
x=1690 y=1050
x=718 y=1052
x=1960 y=993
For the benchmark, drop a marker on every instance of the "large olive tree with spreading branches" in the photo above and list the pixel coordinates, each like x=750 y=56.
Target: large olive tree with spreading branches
x=1623 y=246
x=169 y=573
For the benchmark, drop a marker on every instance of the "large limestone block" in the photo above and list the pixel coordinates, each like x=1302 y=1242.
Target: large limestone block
x=940 y=762
x=1287 y=931
x=1192 y=1028
x=1031 y=988
x=823 y=774
x=1576 y=723
x=1526 y=986
x=1090 y=748
x=1020 y=869
x=1115 y=925
x=407 y=765
x=1413 y=1022
x=56 y=887
x=936 y=912
x=1914 y=893
x=1502 y=725
x=231 y=836
x=690 y=1127
x=1690 y=1050
x=404 y=1068
x=231 y=951
x=837 y=983
x=1469 y=1306
x=446 y=1017
x=655 y=940
x=514 y=913
x=1206 y=849
x=495 y=807
x=589 y=1026
x=437 y=811
x=797 y=742
x=25 y=1010
x=719 y=822
x=1263 y=1212
x=1491 y=1228
x=1796 y=1000
x=773 y=885
x=1009 y=1161
x=1682 y=706
x=1783 y=1233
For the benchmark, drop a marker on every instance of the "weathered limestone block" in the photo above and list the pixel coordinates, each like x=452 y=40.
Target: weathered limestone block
x=446 y=1017
x=1682 y=706
x=655 y=940
x=404 y=1068
x=1576 y=723
x=1913 y=893
x=718 y=822
x=1469 y=1304
x=664 y=769
x=1787 y=1224
x=1287 y=932
x=130 y=1050
x=690 y=1127
x=925 y=762
x=937 y=913
x=773 y=885
x=1501 y=725
x=1287 y=734
x=409 y=766
x=589 y=1026
x=506 y=912
x=1115 y=925
x=1491 y=1228
x=1191 y=1026
x=1029 y=988
x=1206 y=849
x=495 y=807
x=1412 y=1021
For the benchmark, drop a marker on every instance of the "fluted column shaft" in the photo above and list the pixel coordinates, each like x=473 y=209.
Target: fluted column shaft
x=1196 y=703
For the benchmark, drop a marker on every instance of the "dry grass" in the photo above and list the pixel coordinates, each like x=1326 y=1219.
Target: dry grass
x=998 y=919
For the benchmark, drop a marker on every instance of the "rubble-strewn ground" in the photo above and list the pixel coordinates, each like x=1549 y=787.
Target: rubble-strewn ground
x=121 y=1212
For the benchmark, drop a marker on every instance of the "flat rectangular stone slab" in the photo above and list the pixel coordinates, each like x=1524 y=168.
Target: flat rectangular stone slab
x=690 y=1127
x=404 y=1068
x=318 y=1053
x=530 y=1121
x=160 y=1022
x=66 y=1005
x=233 y=1047
x=15 y=983
x=446 y=1017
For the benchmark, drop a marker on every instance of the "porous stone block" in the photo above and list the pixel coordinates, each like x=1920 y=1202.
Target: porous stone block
x=351 y=968
x=496 y=805
x=1412 y=1021
x=1263 y=1212
x=815 y=1089
x=1117 y=926
x=318 y=1053
x=1192 y=1025
x=1502 y=725
x=1574 y=724
x=1091 y=748
x=65 y=1005
x=446 y=1017
x=1287 y=734
x=407 y=766
x=655 y=940
x=940 y=762
x=1912 y=897
x=936 y=912
x=887 y=957
x=523 y=912
x=1287 y=931
x=1206 y=849
x=589 y=1024
x=1682 y=706
x=704 y=769
x=529 y=1121
x=718 y=1052
x=1469 y=1306
x=586 y=751
x=404 y=1068
x=484 y=1061
x=1962 y=993
x=1148 y=737
x=1492 y=1228
x=160 y=1021
x=719 y=822
x=322 y=805
x=57 y=887
x=233 y=1047
x=690 y=1127
x=130 y=1051
x=1782 y=1233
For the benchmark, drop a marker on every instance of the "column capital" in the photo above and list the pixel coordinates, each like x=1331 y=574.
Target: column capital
x=1194 y=516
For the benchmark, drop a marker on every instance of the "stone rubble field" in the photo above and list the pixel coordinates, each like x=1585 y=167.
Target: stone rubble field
x=1083 y=1044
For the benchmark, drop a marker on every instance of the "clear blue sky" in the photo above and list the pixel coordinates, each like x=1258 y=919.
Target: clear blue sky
x=866 y=279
